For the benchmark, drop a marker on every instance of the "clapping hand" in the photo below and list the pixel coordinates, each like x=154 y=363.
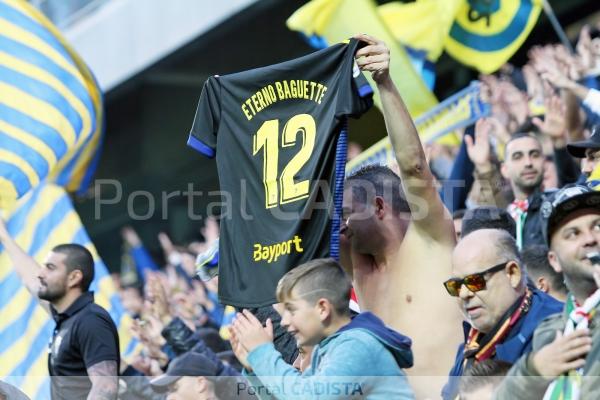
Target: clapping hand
x=250 y=332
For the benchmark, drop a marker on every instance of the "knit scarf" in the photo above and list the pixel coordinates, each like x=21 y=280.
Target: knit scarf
x=480 y=347
x=568 y=385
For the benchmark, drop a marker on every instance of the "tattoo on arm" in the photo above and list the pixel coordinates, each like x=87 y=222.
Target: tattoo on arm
x=105 y=380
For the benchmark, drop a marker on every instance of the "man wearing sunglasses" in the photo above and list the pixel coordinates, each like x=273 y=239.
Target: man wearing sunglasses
x=500 y=310
x=566 y=347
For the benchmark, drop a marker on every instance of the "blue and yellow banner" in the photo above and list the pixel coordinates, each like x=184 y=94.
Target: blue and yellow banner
x=51 y=115
x=486 y=33
x=43 y=218
x=456 y=112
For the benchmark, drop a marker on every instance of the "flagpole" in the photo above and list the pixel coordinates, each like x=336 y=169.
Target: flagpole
x=556 y=25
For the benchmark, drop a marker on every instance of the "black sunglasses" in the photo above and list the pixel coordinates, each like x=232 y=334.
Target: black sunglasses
x=473 y=282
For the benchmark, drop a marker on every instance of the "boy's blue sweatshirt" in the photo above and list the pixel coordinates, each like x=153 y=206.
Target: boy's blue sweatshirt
x=363 y=359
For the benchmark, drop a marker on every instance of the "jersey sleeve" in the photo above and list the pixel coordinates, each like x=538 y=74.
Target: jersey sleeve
x=96 y=340
x=356 y=95
x=203 y=135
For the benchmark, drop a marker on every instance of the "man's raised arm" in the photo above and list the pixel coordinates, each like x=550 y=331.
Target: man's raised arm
x=25 y=266
x=417 y=180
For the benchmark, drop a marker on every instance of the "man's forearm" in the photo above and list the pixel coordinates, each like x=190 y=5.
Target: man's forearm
x=579 y=90
x=402 y=132
x=105 y=381
x=106 y=388
x=25 y=266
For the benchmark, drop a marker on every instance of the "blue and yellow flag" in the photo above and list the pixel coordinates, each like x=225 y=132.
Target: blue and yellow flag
x=43 y=218
x=456 y=112
x=50 y=107
x=593 y=180
x=486 y=33
x=422 y=25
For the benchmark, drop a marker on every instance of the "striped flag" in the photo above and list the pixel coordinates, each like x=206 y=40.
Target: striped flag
x=456 y=112
x=486 y=33
x=43 y=218
x=50 y=107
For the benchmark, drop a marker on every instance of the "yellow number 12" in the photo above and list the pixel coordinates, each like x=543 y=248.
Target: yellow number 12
x=267 y=136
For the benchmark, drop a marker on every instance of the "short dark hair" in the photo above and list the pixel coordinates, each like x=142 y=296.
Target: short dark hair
x=383 y=182
x=487 y=217
x=213 y=340
x=506 y=247
x=487 y=372
x=78 y=257
x=316 y=279
x=521 y=135
x=535 y=258
x=139 y=289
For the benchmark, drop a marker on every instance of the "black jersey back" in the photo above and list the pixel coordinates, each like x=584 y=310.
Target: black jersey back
x=274 y=130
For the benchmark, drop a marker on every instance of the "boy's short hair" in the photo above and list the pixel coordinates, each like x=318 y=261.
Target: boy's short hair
x=488 y=372
x=318 y=279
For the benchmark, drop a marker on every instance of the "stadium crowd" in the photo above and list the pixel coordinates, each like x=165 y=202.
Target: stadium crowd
x=468 y=263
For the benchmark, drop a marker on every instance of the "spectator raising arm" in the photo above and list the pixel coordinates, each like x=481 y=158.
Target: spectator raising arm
x=417 y=179
x=397 y=275
x=25 y=266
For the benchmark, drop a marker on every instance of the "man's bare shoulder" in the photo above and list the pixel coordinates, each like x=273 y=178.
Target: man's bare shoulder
x=420 y=244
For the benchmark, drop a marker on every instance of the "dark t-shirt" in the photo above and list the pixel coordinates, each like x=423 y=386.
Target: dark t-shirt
x=273 y=131
x=85 y=335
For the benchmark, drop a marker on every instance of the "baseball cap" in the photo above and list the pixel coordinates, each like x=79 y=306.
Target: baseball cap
x=577 y=149
x=558 y=205
x=188 y=364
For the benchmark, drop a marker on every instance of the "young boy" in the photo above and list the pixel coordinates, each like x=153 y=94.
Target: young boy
x=352 y=357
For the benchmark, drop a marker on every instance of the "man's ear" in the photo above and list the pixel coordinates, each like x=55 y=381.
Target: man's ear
x=554 y=262
x=380 y=207
x=542 y=284
x=201 y=384
x=74 y=278
x=515 y=274
x=504 y=170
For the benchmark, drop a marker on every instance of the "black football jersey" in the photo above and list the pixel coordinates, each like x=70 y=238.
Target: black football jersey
x=274 y=131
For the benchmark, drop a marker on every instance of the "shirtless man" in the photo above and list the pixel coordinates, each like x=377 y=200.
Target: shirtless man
x=399 y=250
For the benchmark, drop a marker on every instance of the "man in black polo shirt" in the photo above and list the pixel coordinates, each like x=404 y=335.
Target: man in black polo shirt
x=83 y=353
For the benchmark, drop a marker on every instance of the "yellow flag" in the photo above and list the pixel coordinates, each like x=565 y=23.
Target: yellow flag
x=332 y=21
x=422 y=25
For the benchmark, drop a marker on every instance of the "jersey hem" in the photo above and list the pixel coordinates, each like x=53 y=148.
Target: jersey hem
x=235 y=304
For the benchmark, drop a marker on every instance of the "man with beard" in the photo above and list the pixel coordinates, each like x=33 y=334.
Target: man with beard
x=524 y=168
x=83 y=354
x=397 y=237
x=566 y=348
